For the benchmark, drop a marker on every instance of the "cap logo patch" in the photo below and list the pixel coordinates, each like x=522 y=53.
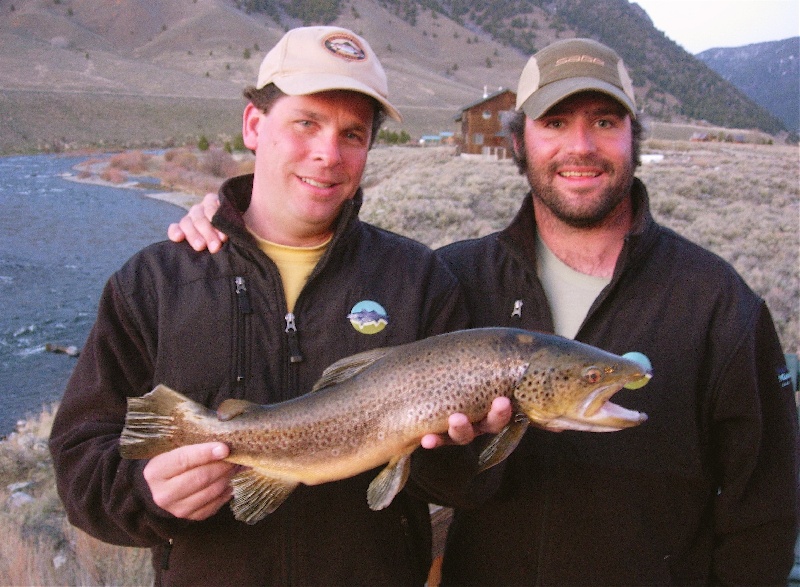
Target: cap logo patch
x=345 y=47
x=368 y=317
x=581 y=59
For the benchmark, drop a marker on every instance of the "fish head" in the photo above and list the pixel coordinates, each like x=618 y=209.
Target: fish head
x=567 y=386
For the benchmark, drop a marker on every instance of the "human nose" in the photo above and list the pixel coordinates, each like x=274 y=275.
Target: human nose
x=327 y=149
x=581 y=139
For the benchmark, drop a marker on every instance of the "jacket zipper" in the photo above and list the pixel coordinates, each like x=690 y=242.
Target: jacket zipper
x=165 y=555
x=244 y=308
x=291 y=333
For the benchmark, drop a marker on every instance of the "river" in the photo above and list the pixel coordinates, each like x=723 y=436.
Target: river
x=60 y=240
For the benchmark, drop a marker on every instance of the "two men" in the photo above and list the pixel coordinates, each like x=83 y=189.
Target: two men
x=705 y=492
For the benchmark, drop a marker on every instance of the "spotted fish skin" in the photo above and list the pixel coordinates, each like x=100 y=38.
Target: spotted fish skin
x=373 y=408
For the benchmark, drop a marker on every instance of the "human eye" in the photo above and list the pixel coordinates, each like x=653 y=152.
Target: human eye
x=357 y=137
x=554 y=123
x=609 y=121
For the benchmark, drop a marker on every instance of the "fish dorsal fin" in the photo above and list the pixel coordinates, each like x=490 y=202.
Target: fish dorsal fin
x=504 y=442
x=389 y=482
x=256 y=494
x=231 y=408
x=349 y=367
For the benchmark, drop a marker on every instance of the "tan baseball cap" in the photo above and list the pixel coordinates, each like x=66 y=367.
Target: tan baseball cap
x=568 y=67
x=315 y=59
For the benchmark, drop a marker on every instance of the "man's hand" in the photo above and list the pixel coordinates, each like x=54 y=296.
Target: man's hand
x=461 y=431
x=196 y=226
x=191 y=482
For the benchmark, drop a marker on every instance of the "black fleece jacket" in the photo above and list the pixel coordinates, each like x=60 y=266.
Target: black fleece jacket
x=215 y=327
x=704 y=492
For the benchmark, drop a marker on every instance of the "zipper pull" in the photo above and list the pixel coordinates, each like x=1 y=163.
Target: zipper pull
x=294 y=344
x=517 y=311
x=242 y=297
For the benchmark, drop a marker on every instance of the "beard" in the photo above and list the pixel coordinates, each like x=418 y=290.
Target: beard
x=592 y=210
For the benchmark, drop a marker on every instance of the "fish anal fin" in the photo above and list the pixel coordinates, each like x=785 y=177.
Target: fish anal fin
x=349 y=367
x=257 y=494
x=231 y=408
x=389 y=482
x=503 y=443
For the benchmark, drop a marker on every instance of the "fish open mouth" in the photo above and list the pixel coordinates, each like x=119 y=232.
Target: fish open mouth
x=598 y=411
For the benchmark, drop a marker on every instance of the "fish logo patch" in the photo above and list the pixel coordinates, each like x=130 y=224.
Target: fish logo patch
x=345 y=47
x=368 y=317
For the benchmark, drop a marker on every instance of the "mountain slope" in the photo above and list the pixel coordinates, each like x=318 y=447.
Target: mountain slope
x=133 y=72
x=768 y=73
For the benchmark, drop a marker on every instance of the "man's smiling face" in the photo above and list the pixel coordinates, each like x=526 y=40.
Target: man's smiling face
x=580 y=158
x=310 y=155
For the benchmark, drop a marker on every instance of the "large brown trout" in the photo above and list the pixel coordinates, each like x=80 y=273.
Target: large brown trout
x=375 y=407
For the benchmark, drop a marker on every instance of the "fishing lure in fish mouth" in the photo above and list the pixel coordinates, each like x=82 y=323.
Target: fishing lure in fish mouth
x=374 y=408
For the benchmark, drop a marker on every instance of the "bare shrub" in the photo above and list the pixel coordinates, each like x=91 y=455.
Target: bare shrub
x=113 y=175
x=182 y=158
x=219 y=163
x=134 y=162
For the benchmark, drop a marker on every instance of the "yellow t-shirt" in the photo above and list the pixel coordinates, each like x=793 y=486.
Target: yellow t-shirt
x=295 y=264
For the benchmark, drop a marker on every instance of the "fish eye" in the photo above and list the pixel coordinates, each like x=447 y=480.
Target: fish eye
x=592 y=374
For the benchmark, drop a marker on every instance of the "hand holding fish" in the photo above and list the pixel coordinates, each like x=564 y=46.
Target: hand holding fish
x=191 y=482
x=461 y=431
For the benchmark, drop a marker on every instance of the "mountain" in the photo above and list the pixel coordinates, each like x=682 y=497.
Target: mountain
x=145 y=72
x=768 y=73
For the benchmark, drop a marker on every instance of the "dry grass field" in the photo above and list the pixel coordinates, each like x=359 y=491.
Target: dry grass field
x=741 y=201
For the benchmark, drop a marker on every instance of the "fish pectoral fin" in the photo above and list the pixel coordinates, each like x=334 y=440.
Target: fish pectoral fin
x=503 y=443
x=349 y=367
x=389 y=482
x=256 y=494
x=231 y=408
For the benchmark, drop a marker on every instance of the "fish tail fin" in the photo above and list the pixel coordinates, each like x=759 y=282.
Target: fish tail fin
x=149 y=423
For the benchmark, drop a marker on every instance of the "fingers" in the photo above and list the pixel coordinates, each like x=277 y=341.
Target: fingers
x=196 y=228
x=191 y=482
x=462 y=431
x=498 y=417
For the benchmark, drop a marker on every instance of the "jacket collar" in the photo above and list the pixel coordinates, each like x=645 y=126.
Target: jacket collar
x=235 y=194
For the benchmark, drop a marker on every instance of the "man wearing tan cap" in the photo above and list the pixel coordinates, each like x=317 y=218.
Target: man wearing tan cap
x=705 y=491
x=259 y=321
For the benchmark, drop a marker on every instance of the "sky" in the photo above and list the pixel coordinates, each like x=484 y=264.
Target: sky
x=697 y=25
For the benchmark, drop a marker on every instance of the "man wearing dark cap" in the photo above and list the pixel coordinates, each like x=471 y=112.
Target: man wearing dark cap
x=259 y=321
x=705 y=491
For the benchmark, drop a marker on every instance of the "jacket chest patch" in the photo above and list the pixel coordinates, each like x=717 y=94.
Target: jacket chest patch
x=368 y=317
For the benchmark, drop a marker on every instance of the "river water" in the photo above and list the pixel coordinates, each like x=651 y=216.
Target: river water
x=59 y=242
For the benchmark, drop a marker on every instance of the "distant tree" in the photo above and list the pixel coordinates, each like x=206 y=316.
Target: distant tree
x=202 y=143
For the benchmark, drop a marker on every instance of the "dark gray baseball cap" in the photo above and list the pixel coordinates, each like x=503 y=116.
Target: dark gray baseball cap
x=570 y=66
